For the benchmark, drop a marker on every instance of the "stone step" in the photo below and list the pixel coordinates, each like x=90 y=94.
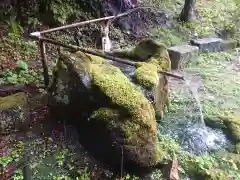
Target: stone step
x=181 y=55
x=210 y=44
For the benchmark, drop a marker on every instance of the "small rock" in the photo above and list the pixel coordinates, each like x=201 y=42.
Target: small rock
x=208 y=44
x=181 y=54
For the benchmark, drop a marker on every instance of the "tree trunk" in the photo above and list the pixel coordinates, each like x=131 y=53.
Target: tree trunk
x=188 y=11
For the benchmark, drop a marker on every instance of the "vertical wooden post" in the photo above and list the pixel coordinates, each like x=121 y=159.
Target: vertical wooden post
x=44 y=62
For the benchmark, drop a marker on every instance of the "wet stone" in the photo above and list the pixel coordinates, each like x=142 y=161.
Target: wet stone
x=208 y=44
x=181 y=55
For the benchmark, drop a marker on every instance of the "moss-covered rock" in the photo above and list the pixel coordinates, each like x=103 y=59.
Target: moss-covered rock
x=12 y=112
x=214 y=122
x=110 y=111
x=18 y=99
x=141 y=145
x=233 y=126
x=151 y=57
x=146 y=75
x=155 y=57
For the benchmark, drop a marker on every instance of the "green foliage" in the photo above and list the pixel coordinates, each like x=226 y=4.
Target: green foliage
x=18 y=175
x=28 y=48
x=33 y=22
x=208 y=166
x=157 y=175
x=60 y=158
x=21 y=75
x=61 y=9
x=9 y=17
x=15 y=28
x=22 y=65
x=13 y=156
x=128 y=177
x=168 y=37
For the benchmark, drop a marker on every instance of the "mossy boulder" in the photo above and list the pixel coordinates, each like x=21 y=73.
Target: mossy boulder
x=12 y=112
x=151 y=57
x=233 y=126
x=113 y=117
x=214 y=122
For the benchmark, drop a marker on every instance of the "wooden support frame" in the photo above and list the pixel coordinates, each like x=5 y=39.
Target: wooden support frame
x=44 y=62
x=42 y=40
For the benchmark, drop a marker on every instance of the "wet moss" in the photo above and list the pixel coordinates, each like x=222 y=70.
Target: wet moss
x=155 y=57
x=214 y=122
x=146 y=75
x=202 y=166
x=137 y=139
x=18 y=99
x=233 y=126
x=122 y=93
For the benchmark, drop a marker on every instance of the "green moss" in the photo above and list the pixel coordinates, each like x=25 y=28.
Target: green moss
x=214 y=122
x=112 y=82
x=18 y=99
x=231 y=158
x=204 y=166
x=103 y=113
x=155 y=57
x=135 y=135
x=126 y=109
x=216 y=174
x=169 y=37
x=146 y=75
x=233 y=125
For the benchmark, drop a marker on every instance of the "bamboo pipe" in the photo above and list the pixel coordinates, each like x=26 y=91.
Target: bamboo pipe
x=99 y=53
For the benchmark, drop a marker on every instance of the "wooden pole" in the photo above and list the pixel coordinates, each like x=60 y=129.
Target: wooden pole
x=93 y=52
x=44 y=62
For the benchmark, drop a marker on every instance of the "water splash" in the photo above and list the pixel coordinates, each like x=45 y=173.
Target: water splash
x=195 y=94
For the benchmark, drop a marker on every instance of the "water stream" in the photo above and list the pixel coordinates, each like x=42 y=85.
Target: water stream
x=186 y=124
x=195 y=94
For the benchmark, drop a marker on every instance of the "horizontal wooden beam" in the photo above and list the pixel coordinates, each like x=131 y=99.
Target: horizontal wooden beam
x=100 y=54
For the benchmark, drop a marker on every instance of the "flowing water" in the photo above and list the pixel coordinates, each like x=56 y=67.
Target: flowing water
x=194 y=91
x=185 y=121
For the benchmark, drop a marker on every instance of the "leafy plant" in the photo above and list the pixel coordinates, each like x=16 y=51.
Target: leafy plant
x=22 y=65
x=61 y=9
x=21 y=75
